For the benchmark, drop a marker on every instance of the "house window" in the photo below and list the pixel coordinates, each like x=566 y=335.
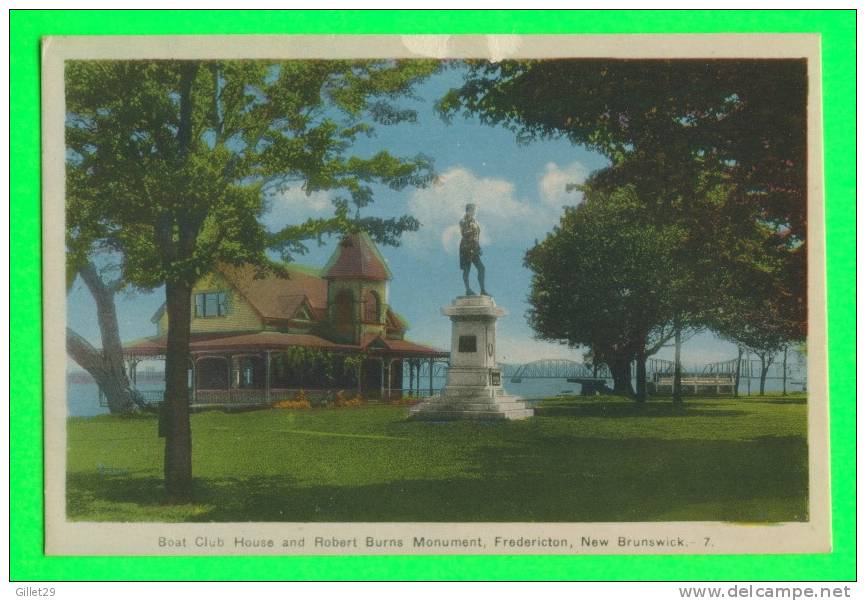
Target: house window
x=371 y=307
x=211 y=304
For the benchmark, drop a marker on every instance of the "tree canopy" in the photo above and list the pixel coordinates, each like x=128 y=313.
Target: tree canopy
x=169 y=159
x=607 y=278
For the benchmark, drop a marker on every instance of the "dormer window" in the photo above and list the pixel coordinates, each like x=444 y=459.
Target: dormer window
x=211 y=304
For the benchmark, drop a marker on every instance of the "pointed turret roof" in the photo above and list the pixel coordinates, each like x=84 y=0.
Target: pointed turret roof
x=356 y=256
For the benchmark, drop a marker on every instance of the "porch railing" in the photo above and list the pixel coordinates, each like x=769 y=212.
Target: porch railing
x=258 y=396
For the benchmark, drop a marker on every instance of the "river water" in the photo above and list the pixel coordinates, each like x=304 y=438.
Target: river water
x=83 y=399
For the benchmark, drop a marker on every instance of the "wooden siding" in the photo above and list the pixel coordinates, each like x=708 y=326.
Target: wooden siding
x=241 y=316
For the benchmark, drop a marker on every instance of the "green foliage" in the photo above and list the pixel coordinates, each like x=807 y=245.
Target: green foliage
x=171 y=162
x=306 y=364
x=607 y=277
x=351 y=363
x=310 y=364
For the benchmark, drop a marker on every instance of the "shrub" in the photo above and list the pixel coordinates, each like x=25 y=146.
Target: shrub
x=300 y=402
x=342 y=400
x=287 y=404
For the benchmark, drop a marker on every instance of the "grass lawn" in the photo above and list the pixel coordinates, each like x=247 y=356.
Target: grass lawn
x=577 y=460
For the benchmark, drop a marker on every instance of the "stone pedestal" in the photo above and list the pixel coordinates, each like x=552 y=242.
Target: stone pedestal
x=474 y=386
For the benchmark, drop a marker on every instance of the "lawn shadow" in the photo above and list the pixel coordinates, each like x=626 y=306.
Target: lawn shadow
x=557 y=479
x=632 y=409
x=779 y=401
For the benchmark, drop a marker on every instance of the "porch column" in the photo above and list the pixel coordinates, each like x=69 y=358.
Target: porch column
x=358 y=372
x=411 y=376
x=381 y=378
x=431 y=376
x=268 y=376
x=230 y=366
x=133 y=372
x=389 y=383
x=193 y=359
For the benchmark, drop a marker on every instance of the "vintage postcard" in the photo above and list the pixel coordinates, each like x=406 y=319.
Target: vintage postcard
x=434 y=295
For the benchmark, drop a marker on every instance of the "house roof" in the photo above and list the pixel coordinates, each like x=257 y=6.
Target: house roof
x=273 y=296
x=382 y=344
x=260 y=341
x=356 y=256
x=276 y=297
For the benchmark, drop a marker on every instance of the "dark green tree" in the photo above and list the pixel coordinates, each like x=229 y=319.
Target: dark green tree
x=170 y=162
x=606 y=278
x=749 y=312
x=675 y=130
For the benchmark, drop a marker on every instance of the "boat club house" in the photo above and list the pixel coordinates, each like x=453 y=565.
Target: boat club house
x=258 y=338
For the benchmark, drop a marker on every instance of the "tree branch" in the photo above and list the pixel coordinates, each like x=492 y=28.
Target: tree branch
x=84 y=353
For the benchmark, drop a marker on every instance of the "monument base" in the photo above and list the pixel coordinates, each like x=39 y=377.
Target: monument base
x=474 y=387
x=472 y=405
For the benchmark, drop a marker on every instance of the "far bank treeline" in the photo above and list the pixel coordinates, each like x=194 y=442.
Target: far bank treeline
x=699 y=221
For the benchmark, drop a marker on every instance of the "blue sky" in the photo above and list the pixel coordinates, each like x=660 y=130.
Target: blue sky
x=519 y=191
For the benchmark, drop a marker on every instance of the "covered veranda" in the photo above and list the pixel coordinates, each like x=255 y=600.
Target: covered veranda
x=258 y=368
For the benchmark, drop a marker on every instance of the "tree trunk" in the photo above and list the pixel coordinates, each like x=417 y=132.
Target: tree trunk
x=620 y=370
x=641 y=374
x=766 y=361
x=106 y=365
x=175 y=415
x=737 y=371
x=785 y=372
x=678 y=370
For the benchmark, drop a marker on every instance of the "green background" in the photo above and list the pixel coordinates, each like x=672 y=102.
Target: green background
x=26 y=484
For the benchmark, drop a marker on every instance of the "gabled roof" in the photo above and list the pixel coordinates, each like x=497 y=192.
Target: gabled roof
x=275 y=297
x=376 y=343
x=356 y=256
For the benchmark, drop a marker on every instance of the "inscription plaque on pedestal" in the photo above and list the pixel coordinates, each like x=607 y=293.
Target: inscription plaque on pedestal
x=474 y=386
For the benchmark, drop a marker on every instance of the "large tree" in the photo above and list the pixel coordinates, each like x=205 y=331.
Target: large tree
x=607 y=278
x=748 y=289
x=674 y=129
x=170 y=164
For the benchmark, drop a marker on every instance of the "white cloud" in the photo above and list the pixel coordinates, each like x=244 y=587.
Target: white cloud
x=440 y=207
x=293 y=205
x=553 y=182
x=502 y=214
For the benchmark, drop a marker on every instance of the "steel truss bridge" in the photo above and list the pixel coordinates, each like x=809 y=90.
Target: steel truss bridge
x=567 y=369
x=574 y=370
